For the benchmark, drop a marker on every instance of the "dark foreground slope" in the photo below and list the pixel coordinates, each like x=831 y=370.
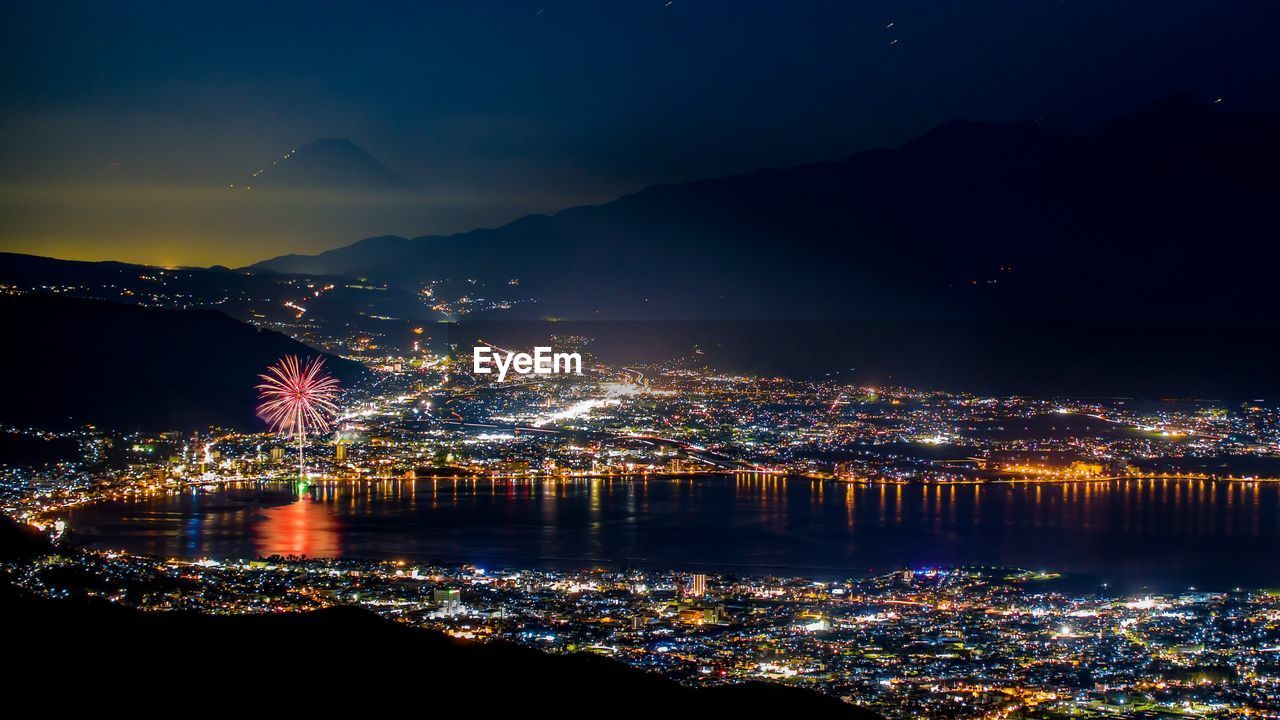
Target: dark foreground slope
x=73 y=361
x=346 y=659
x=78 y=655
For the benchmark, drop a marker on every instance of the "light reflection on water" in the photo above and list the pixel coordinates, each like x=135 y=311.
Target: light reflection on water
x=307 y=527
x=1163 y=532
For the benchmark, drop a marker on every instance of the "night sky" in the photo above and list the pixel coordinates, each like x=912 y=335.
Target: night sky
x=124 y=123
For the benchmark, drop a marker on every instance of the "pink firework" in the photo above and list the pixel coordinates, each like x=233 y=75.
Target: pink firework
x=297 y=396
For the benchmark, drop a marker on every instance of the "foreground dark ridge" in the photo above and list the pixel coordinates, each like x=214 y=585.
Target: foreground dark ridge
x=288 y=661
x=94 y=645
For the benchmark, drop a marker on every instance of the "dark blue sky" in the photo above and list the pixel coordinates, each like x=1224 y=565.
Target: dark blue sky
x=501 y=108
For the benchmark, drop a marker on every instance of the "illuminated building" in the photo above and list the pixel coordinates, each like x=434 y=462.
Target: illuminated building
x=698 y=585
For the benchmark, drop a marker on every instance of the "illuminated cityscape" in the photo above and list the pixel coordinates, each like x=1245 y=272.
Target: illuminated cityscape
x=937 y=642
x=959 y=643
x=426 y=416
x=668 y=359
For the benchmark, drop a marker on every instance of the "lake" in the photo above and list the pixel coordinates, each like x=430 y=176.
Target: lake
x=1163 y=534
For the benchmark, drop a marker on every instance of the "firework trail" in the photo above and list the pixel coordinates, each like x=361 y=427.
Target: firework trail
x=296 y=396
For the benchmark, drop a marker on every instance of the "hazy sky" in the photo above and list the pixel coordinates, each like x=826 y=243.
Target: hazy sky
x=123 y=123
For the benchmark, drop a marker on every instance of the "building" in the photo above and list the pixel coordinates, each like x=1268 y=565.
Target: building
x=512 y=467
x=448 y=599
x=698 y=585
x=1081 y=467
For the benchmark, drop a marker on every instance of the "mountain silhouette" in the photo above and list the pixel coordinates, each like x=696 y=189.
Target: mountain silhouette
x=328 y=163
x=350 y=256
x=1165 y=212
x=128 y=367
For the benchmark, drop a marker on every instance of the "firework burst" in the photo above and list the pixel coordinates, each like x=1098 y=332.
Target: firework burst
x=297 y=396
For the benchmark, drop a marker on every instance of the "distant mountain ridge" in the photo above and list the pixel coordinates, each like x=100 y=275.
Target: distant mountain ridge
x=327 y=163
x=993 y=259
x=969 y=220
x=347 y=256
